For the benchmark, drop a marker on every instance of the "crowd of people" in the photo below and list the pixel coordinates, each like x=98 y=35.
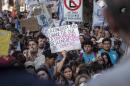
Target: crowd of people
x=101 y=50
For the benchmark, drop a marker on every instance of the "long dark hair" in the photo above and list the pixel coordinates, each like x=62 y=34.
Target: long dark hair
x=68 y=66
x=109 y=63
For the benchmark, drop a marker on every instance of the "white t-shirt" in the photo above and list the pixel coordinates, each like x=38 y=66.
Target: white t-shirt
x=40 y=60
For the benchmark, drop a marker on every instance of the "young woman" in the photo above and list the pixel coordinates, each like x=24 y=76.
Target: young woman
x=68 y=74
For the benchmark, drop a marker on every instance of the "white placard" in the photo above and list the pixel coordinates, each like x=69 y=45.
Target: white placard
x=73 y=10
x=64 y=38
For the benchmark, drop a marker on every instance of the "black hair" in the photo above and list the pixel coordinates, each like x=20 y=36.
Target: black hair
x=66 y=66
x=97 y=27
x=41 y=36
x=109 y=64
x=31 y=39
x=106 y=39
x=19 y=58
x=117 y=42
x=96 y=67
x=85 y=70
x=49 y=55
x=88 y=42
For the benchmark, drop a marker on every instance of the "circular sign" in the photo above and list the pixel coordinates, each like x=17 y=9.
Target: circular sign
x=72 y=5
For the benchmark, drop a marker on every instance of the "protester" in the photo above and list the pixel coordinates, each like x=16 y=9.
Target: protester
x=88 y=56
x=42 y=73
x=107 y=48
x=106 y=60
x=68 y=74
x=82 y=39
x=43 y=45
x=30 y=52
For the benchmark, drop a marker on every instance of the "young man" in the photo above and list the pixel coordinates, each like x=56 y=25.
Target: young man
x=32 y=54
x=88 y=55
x=107 y=48
x=117 y=13
x=43 y=45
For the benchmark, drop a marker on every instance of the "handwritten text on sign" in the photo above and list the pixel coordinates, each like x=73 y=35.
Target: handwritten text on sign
x=64 y=38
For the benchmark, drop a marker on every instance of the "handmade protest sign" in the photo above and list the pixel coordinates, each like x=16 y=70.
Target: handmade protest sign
x=5 y=37
x=64 y=38
x=30 y=24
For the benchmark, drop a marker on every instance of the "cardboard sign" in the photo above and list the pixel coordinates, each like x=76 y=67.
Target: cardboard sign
x=30 y=24
x=73 y=10
x=64 y=38
x=5 y=37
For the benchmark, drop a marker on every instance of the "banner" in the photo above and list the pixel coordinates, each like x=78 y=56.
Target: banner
x=64 y=38
x=5 y=37
x=31 y=2
x=98 y=18
x=30 y=24
x=44 y=20
x=73 y=10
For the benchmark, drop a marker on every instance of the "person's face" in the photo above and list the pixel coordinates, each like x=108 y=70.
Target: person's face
x=91 y=33
x=33 y=46
x=106 y=45
x=93 y=40
x=84 y=32
x=81 y=39
x=68 y=73
x=100 y=45
x=41 y=42
x=100 y=60
x=107 y=34
x=117 y=35
x=51 y=61
x=96 y=30
x=103 y=34
x=43 y=75
x=105 y=59
x=88 y=48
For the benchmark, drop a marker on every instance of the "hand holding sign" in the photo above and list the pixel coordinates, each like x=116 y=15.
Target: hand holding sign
x=64 y=38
